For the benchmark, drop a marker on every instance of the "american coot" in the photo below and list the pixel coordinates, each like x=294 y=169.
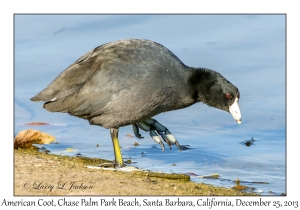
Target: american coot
x=127 y=82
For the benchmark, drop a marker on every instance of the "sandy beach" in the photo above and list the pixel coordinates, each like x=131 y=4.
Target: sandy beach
x=38 y=173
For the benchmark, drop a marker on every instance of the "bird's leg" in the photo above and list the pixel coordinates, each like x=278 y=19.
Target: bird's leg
x=119 y=163
x=152 y=125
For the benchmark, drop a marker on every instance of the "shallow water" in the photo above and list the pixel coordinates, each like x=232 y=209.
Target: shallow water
x=248 y=50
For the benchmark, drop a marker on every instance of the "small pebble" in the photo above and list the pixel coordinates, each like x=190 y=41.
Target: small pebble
x=128 y=161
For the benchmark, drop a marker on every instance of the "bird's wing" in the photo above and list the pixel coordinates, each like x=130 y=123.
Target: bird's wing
x=86 y=96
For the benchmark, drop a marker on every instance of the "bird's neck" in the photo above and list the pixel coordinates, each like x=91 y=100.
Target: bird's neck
x=200 y=81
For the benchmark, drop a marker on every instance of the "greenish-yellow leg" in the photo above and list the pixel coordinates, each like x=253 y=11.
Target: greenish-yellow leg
x=119 y=163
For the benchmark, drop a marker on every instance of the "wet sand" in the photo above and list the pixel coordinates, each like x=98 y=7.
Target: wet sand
x=38 y=173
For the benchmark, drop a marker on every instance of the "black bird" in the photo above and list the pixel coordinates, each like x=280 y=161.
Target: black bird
x=127 y=82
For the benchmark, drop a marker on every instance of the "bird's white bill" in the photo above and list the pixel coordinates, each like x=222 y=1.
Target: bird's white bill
x=234 y=110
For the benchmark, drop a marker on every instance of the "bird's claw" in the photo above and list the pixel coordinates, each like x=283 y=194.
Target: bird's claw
x=156 y=138
x=155 y=127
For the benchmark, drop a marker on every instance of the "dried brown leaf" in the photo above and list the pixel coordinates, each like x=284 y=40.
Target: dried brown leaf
x=28 y=137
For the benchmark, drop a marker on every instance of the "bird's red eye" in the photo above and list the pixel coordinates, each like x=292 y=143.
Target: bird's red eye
x=228 y=95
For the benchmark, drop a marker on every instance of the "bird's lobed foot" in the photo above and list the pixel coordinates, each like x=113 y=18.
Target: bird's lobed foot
x=111 y=165
x=157 y=130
